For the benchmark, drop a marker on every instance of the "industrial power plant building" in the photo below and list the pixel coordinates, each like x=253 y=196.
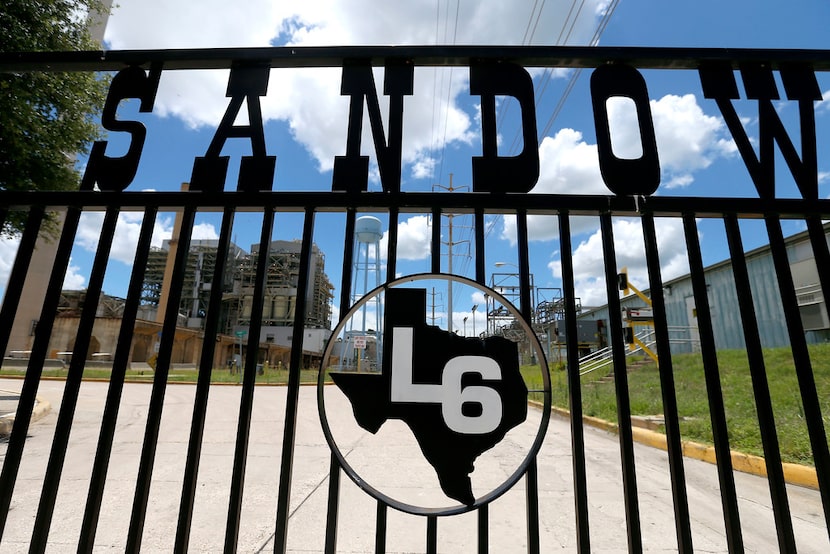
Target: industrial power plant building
x=237 y=297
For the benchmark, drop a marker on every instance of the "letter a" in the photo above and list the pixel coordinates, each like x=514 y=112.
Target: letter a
x=256 y=172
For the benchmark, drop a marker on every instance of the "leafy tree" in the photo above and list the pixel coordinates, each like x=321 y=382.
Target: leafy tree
x=46 y=118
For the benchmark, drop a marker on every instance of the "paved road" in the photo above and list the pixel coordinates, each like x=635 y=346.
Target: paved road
x=406 y=533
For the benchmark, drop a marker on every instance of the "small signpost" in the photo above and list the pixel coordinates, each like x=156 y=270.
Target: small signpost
x=359 y=342
x=240 y=334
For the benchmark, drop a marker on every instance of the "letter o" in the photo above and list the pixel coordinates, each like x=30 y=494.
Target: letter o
x=624 y=177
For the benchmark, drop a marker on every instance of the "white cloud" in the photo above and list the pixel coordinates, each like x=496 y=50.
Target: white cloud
x=588 y=258
x=127 y=230
x=308 y=100
x=74 y=280
x=824 y=105
x=204 y=231
x=425 y=167
x=414 y=236
x=568 y=165
x=688 y=141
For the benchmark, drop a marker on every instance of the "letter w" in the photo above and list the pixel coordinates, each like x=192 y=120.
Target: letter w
x=800 y=84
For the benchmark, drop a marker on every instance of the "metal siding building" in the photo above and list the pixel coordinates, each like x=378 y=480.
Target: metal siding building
x=723 y=301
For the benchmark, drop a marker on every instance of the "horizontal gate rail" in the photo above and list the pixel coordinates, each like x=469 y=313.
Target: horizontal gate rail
x=296 y=57
x=423 y=202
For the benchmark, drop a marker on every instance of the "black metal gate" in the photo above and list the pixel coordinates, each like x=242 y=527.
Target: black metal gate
x=500 y=187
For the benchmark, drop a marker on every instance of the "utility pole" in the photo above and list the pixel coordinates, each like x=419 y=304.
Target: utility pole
x=433 y=294
x=450 y=244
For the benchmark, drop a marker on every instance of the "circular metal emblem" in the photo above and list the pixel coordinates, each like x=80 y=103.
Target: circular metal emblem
x=432 y=419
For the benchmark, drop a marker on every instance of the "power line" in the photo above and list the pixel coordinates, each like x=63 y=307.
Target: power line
x=449 y=95
x=576 y=74
x=603 y=23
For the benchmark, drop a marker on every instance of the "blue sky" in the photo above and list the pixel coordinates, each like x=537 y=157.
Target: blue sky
x=306 y=120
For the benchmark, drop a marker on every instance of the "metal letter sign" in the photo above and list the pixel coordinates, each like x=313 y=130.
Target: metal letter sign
x=248 y=82
x=460 y=396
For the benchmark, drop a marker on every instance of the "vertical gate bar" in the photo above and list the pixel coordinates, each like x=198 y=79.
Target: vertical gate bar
x=119 y=367
x=154 y=411
x=481 y=268
x=818 y=239
x=57 y=454
x=801 y=358
x=17 y=276
x=293 y=390
x=629 y=474
x=526 y=286
x=197 y=426
x=246 y=403
x=583 y=539
x=380 y=528
x=527 y=309
x=345 y=304
x=432 y=535
x=711 y=371
x=43 y=332
x=348 y=260
x=484 y=529
x=760 y=388
x=532 y=484
x=332 y=506
x=436 y=240
x=392 y=246
x=667 y=388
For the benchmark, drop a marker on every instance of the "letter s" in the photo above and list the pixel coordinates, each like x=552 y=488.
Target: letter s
x=116 y=174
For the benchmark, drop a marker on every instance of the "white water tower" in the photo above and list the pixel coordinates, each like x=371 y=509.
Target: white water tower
x=365 y=277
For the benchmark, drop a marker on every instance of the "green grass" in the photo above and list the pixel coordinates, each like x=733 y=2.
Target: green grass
x=599 y=398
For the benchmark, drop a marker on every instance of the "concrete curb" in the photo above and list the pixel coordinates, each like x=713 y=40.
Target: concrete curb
x=794 y=474
x=42 y=407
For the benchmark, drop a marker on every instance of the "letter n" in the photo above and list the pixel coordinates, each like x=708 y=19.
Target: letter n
x=256 y=172
x=492 y=173
x=718 y=81
x=351 y=172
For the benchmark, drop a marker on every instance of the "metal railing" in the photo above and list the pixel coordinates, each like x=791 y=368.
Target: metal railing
x=394 y=203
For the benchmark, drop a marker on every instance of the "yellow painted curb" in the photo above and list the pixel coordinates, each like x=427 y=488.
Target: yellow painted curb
x=794 y=474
